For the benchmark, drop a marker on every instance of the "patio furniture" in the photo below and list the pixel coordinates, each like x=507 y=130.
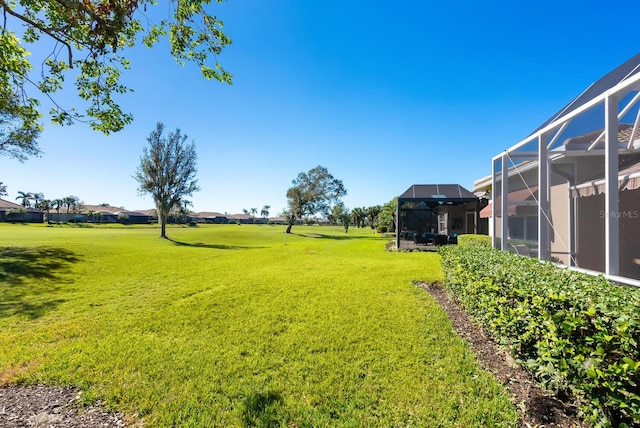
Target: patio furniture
x=423 y=238
x=440 y=240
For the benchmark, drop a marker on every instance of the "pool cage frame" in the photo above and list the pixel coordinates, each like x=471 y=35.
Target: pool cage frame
x=617 y=98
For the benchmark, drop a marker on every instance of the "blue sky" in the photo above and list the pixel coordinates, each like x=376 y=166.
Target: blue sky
x=383 y=94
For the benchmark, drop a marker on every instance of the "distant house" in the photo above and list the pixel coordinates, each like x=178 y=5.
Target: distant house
x=152 y=214
x=277 y=220
x=12 y=212
x=97 y=214
x=133 y=217
x=209 y=217
x=101 y=214
x=241 y=219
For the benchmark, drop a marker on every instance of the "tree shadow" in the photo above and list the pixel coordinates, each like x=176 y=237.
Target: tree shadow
x=30 y=276
x=264 y=410
x=213 y=246
x=323 y=236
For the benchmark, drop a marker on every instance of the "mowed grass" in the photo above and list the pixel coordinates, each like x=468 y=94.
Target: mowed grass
x=229 y=326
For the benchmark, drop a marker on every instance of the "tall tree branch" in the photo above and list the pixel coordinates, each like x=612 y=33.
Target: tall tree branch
x=40 y=27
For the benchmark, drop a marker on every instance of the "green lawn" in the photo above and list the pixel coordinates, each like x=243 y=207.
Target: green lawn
x=228 y=326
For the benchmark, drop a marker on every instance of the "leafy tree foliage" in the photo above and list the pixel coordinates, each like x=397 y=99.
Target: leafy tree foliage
x=3 y=189
x=89 y=36
x=387 y=216
x=313 y=192
x=167 y=172
x=341 y=214
x=18 y=134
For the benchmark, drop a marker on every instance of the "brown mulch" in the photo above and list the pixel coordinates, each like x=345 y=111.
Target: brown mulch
x=536 y=406
x=43 y=406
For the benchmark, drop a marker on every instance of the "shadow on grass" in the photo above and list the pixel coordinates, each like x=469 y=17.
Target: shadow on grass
x=214 y=246
x=264 y=410
x=30 y=276
x=323 y=236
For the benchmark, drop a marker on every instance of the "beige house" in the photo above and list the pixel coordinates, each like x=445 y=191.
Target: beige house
x=10 y=211
x=571 y=190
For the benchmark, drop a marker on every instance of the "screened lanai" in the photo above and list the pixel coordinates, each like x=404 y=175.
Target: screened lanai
x=435 y=214
x=580 y=171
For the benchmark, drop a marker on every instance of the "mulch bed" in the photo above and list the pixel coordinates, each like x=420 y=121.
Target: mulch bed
x=536 y=406
x=43 y=406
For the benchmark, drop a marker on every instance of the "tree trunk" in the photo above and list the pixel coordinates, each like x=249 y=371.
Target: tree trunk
x=162 y=219
x=163 y=229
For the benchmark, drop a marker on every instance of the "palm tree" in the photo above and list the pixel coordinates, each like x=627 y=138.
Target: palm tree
x=387 y=216
x=372 y=215
x=71 y=202
x=183 y=209
x=26 y=198
x=57 y=204
x=45 y=205
x=357 y=216
x=265 y=211
x=252 y=213
x=37 y=197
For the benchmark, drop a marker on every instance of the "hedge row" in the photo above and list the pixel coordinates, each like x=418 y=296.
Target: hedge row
x=577 y=334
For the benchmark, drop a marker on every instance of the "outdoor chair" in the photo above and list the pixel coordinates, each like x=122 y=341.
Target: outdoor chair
x=522 y=250
x=423 y=238
x=440 y=240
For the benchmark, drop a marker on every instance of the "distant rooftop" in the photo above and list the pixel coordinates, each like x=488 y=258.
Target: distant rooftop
x=437 y=192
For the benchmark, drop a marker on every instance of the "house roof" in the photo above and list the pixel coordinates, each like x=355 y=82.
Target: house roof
x=438 y=192
x=597 y=88
x=582 y=142
x=240 y=217
x=105 y=210
x=150 y=212
x=7 y=205
x=519 y=202
x=208 y=214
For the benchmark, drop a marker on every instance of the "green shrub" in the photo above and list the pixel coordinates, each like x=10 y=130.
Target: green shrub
x=577 y=334
x=482 y=240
